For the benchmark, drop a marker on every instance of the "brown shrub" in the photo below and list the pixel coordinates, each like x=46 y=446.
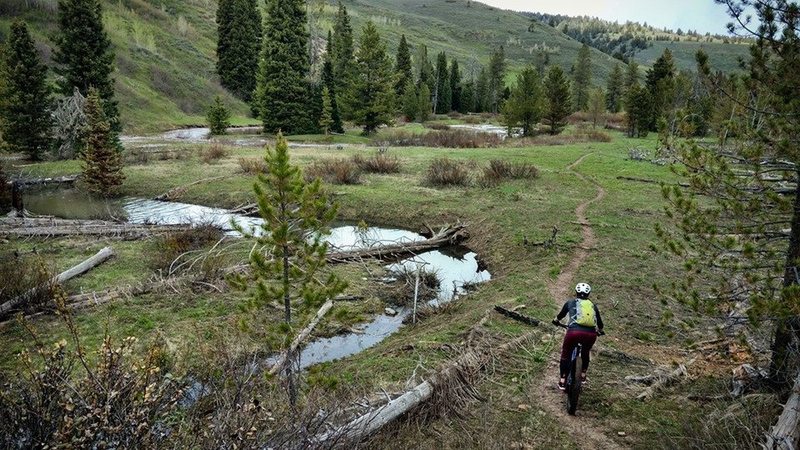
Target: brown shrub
x=580 y=135
x=26 y=277
x=457 y=138
x=380 y=162
x=334 y=171
x=252 y=166
x=446 y=172
x=472 y=120
x=214 y=152
x=498 y=170
x=437 y=126
x=172 y=246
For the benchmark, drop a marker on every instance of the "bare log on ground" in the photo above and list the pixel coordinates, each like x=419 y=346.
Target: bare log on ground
x=28 y=182
x=87 y=265
x=449 y=235
x=52 y=227
x=369 y=423
x=665 y=380
x=517 y=316
x=176 y=192
x=785 y=434
x=302 y=336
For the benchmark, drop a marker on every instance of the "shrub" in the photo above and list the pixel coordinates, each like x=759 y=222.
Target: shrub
x=580 y=135
x=334 y=171
x=446 y=172
x=472 y=120
x=28 y=276
x=173 y=245
x=380 y=162
x=498 y=170
x=252 y=166
x=458 y=138
x=437 y=126
x=214 y=152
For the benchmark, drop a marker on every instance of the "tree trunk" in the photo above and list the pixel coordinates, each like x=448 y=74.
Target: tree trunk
x=786 y=432
x=785 y=328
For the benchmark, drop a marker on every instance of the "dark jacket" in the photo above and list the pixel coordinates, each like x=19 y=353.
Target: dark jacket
x=571 y=307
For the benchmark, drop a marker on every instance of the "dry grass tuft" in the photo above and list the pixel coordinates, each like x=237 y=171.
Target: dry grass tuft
x=252 y=166
x=334 y=171
x=380 y=162
x=453 y=138
x=447 y=172
x=498 y=171
x=214 y=152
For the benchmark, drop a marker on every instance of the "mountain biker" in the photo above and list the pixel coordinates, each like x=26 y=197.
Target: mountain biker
x=583 y=327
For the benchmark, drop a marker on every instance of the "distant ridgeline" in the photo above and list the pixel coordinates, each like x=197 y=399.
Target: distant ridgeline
x=625 y=41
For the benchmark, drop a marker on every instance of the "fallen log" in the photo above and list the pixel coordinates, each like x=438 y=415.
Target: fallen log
x=369 y=423
x=449 y=235
x=666 y=380
x=517 y=316
x=302 y=336
x=52 y=227
x=785 y=434
x=28 y=182
x=87 y=265
x=176 y=192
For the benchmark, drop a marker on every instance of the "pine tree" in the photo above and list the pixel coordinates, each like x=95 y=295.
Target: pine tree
x=239 y=35
x=329 y=82
x=597 y=106
x=442 y=94
x=425 y=68
x=402 y=68
x=290 y=248
x=524 y=106
x=344 y=64
x=582 y=79
x=84 y=57
x=25 y=123
x=558 y=104
x=326 y=119
x=497 y=75
x=614 y=90
x=102 y=162
x=638 y=111
x=468 y=97
x=455 y=86
x=482 y=95
x=410 y=101
x=631 y=78
x=424 y=103
x=374 y=88
x=660 y=82
x=219 y=118
x=282 y=89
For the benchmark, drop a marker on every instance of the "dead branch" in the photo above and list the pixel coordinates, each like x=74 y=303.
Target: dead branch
x=302 y=336
x=28 y=182
x=52 y=227
x=87 y=265
x=517 y=316
x=786 y=432
x=448 y=235
x=665 y=380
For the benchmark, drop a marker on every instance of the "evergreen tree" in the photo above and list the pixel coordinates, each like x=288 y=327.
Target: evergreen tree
x=582 y=79
x=482 y=95
x=468 y=97
x=524 y=106
x=25 y=123
x=374 y=89
x=442 y=94
x=344 y=64
x=597 y=106
x=660 y=82
x=239 y=34
x=102 y=162
x=219 y=118
x=558 y=104
x=455 y=86
x=83 y=55
x=424 y=103
x=402 y=68
x=614 y=90
x=313 y=107
x=329 y=81
x=638 y=111
x=497 y=75
x=631 y=77
x=282 y=89
x=326 y=119
x=424 y=68
x=410 y=101
x=290 y=247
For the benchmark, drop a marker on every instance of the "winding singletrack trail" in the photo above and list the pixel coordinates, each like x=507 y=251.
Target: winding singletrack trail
x=551 y=399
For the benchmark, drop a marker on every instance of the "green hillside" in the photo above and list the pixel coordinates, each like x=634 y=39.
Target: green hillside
x=722 y=56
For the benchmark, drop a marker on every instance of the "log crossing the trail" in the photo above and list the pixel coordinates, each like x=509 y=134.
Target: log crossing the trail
x=52 y=227
x=87 y=265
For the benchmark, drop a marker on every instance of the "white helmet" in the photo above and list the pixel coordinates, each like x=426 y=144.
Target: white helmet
x=583 y=288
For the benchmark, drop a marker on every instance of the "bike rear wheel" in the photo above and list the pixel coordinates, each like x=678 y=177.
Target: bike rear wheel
x=574 y=384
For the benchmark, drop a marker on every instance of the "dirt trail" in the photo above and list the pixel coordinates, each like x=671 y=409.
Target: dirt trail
x=550 y=398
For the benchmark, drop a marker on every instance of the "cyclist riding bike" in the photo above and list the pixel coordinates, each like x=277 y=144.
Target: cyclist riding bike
x=582 y=328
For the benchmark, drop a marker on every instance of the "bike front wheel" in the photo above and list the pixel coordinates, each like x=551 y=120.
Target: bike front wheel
x=574 y=386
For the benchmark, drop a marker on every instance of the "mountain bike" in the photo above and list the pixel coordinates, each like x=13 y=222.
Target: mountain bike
x=573 y=383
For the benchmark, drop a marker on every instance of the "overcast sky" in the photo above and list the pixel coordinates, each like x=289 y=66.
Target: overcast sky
x=700 y=15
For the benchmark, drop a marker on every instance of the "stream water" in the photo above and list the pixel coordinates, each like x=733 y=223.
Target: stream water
x=455 y=267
